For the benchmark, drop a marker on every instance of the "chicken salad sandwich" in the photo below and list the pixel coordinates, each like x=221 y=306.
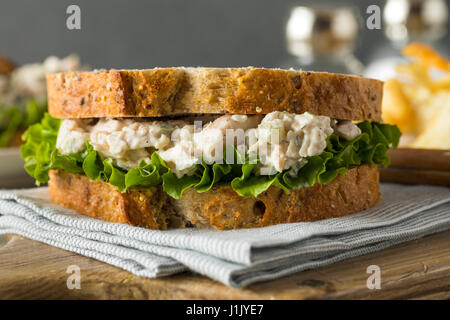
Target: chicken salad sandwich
x=210 y=147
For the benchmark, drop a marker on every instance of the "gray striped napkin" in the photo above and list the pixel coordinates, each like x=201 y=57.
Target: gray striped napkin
x=236 y=257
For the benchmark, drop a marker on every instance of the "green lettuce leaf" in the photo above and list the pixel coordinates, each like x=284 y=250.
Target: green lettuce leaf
x=13 y=119
x=40 y=155
x=176 y=186
x=146 y=174
x=113 y=175
x=92 y=165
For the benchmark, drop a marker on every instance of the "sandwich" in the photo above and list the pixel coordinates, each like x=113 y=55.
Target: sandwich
x=226 y=148
x=23 y=94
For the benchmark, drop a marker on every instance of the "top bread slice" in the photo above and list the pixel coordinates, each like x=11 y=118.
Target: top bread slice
x=177 y=91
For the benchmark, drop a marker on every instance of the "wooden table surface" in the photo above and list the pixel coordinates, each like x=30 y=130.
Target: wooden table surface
x=418 y=269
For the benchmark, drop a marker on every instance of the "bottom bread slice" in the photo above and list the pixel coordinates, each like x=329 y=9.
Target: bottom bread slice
x=221 y=207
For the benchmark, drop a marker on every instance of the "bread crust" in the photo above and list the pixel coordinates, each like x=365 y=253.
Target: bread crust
x=220 y=207
x=6 y=65
x=174 y=91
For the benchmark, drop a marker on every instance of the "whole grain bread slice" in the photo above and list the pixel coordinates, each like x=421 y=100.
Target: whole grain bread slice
x=174 y=91
x=6 y=65
x=221 y=207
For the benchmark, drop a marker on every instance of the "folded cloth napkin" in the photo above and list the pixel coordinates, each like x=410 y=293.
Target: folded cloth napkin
x=236 y=257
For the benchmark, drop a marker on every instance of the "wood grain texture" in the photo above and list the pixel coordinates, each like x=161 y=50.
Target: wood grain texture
x=426 y=159
x=418 y=269
x=415 y=176
x=418 y=166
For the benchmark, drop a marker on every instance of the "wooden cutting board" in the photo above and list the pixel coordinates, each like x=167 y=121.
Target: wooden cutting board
x=418 y=166
x=418 y=269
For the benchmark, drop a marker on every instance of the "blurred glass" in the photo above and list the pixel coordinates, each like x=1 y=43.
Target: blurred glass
x=415 y=20
x=323 y=39
x=405 y=21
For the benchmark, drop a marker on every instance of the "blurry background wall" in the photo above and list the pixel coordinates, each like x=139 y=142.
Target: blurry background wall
x=142 y=34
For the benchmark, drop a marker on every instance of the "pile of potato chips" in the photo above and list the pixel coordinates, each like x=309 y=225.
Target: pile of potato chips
x=418 y=100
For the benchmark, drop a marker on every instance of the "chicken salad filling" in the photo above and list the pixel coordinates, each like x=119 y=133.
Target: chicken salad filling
x=249 y=153
x=280 y=140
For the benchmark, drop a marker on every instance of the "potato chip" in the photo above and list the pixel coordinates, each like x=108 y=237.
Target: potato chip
x=437 y=133
x=396 y=107
x=419 y=101
x=427 y=55
x=441 y=84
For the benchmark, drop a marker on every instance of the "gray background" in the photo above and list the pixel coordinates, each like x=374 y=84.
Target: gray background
x=143 y=34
